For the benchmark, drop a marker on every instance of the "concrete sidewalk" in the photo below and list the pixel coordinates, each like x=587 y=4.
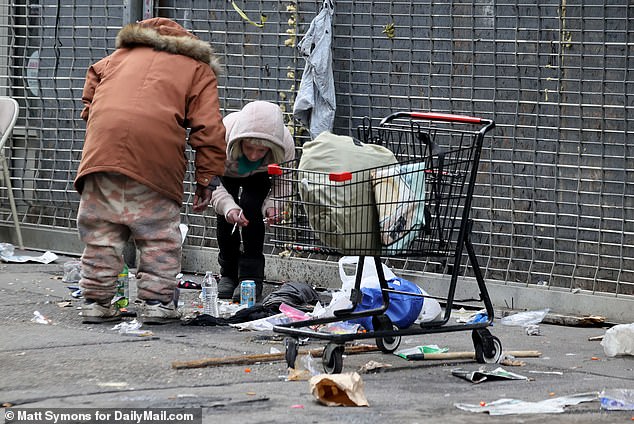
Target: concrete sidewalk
x=71 y=365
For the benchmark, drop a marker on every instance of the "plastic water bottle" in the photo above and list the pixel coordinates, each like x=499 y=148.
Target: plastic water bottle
x=210 y=295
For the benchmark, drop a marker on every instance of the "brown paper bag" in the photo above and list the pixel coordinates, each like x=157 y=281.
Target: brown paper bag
x=338 y=389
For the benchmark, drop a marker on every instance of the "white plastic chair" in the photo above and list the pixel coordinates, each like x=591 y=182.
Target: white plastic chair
x=9 y=110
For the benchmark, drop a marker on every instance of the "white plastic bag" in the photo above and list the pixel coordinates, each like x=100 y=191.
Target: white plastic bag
x=619 y=340
x=524 y=319
x=370 y=278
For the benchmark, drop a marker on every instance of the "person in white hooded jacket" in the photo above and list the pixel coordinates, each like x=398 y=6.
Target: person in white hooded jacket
x=256 y=136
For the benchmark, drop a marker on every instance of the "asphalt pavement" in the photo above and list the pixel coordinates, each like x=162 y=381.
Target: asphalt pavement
x=62 y=363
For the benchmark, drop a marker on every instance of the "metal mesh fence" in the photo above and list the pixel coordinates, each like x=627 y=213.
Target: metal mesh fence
x=554 y=202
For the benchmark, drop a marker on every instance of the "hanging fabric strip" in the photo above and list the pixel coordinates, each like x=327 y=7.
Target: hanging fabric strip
x=244 y=16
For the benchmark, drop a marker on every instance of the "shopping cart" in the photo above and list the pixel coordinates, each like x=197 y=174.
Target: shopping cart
x=437 y=160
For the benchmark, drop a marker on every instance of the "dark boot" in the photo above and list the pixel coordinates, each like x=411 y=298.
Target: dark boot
x=228 y=278
x=226 y=286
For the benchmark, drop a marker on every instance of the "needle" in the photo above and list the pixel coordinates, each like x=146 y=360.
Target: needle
x=236 y=224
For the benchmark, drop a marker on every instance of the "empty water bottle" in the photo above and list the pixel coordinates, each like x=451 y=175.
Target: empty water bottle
x=210 y=295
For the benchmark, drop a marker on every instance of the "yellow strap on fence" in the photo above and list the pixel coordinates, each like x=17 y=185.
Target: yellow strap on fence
x=263 y=18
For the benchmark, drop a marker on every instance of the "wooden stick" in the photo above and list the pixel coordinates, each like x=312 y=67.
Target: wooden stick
x=273 y=357
x=265 y=357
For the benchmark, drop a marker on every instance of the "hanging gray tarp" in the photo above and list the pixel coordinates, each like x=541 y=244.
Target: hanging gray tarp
x=315 y=102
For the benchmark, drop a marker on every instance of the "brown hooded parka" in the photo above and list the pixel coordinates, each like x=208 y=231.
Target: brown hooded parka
x=139 y=102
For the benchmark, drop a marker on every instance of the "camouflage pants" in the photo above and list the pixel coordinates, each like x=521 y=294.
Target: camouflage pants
x=112 y=208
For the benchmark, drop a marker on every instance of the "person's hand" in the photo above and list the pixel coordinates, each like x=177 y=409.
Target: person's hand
x=273 y=216
x=202 y=197
x=235 y=216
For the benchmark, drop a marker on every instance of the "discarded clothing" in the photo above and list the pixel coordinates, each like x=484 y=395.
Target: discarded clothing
x=296 y=294
x=315 y=103
x=253 y=313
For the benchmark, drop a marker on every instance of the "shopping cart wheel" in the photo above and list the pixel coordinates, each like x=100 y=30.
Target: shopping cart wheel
x=488 y=348
x=332 y=359
x=291 y=351
x=387 y=344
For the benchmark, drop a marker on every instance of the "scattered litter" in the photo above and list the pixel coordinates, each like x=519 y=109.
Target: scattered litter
x=619 y=340
x=524 y=319
x=64 y=304
x=373 y=366
x=478 y=317
x=263 y=324
x=510 y=361
x=38 y=318
x=532 y=330
x=297 y=406
x=482 y=375
x=7 y=255
x=466 y=317
x=340 y=327
x=113 y=384
x=274 y=350
x=183 y=396
x=418 y=352
x=338 y=389
x=72 y=271
x=546 y=372
x=132 y=328
x=293 y=313
x=516 y=406
x=304 y=368
x=617 y=399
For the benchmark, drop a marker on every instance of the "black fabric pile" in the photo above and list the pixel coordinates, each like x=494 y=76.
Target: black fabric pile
x=298 y=295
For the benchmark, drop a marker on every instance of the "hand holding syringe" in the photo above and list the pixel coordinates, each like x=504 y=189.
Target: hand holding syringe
x=236 y=217
x=273 y=216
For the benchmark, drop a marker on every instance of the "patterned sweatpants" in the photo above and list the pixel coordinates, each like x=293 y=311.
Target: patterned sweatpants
x=112 y=208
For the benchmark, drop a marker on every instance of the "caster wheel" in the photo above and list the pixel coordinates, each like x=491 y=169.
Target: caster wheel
x=389 y=344
x=488 y=348
x=291 y=351
x=332 y=358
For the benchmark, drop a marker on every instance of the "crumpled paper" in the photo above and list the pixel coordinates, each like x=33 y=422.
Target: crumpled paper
x=338 y=389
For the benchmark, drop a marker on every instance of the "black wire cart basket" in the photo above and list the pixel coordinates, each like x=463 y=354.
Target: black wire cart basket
x=417 y=206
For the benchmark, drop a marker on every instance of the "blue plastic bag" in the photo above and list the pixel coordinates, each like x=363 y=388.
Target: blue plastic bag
x=403 y=309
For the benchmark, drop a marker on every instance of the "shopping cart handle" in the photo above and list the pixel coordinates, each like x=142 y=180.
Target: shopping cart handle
x=274 y=169
x=432 y=116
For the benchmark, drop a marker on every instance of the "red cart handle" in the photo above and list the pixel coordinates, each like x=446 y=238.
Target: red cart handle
x=432 y=116
x=275 y=169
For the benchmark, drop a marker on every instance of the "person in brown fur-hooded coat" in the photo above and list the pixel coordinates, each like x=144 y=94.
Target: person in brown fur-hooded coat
x=139 y=103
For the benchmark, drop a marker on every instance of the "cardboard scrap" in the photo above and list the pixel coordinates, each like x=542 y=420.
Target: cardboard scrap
x=338 y=389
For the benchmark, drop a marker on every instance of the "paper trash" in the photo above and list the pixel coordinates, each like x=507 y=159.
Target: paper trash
x=482 y=375
x=515 y=406
x=338 y=389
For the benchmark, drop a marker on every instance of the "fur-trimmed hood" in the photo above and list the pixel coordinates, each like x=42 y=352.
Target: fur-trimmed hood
x=166 y=35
